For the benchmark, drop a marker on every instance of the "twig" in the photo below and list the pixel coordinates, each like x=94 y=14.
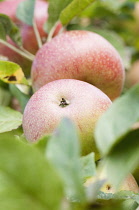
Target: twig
x=20 y=52
x=37 y=34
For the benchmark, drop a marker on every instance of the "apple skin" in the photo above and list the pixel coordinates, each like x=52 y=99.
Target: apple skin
x=80 y=55
x=128 y=184
x=44 y=111
x=29 y=39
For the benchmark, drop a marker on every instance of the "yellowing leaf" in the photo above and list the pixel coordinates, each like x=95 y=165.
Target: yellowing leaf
x=12 y=73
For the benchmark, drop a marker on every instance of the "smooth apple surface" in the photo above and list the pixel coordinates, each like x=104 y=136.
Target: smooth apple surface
x=82 y=102
x=80 y=55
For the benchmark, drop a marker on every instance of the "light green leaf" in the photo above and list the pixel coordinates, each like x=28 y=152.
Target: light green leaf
x=27 y=180
x=63 y=151
x=88 y=166
x=73 y=9
x=129 y=199
x=12 y=73
x=9 y=119
x=5 y=97
x=42 y=143
x=7 y=27
x=113 y=5
x=117 y=120
x=25 y=11
x=54 y=10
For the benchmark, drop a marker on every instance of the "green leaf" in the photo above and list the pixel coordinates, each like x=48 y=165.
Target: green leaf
x=12 y=73
x=88 y=166
x=113 y=5
x=21 y=97
x=5 y=97
x=122 y=159
x=117 y=120
x=42 y=144
x=73 y=9
x=27 y=180
x=128 y=199
x=25 y=11
x=2 y=32
x=54 y=10
x=63 y=151
x=9 y=119
x=7 y=27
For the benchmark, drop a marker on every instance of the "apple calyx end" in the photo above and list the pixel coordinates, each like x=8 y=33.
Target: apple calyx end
x=63 y=102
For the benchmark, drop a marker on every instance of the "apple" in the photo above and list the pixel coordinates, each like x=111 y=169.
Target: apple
x=132 y=75
x=29 y=39
x=9 y=7
x=80 y=55
x=80 y=101
x=128 y=184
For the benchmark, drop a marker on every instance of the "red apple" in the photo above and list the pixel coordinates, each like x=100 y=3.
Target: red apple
x=29 y=39
x=80 y=101
x=80 y=55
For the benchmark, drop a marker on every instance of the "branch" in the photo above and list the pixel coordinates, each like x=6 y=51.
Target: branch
x=37 y=34
x=29 y=56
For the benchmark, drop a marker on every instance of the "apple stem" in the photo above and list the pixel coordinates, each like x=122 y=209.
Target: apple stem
x=51 y=33
x=25 y=51
x=38 y=38
x=29 y=56
x=63 y=103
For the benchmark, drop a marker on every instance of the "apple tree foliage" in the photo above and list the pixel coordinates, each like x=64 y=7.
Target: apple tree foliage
x=50 y=174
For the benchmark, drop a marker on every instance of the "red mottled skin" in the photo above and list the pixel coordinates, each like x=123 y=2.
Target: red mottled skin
x=9 y=7
x=81 y=55
x=86 y=104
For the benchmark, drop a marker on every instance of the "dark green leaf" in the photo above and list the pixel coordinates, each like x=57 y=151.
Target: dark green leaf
x=74 y=9
x=25 y=11
x=2 y=32
x=5 y=97
x=88 y=166
x=63 y=151
x=54 y=10
x=117 y=120
x=7 y=27
x=27 y=180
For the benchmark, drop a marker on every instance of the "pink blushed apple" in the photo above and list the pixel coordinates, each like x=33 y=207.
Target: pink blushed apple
x=80 y=55
x=9 y=7
x=82 y=102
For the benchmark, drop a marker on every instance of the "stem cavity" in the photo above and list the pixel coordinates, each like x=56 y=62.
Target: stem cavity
x=63 y=103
